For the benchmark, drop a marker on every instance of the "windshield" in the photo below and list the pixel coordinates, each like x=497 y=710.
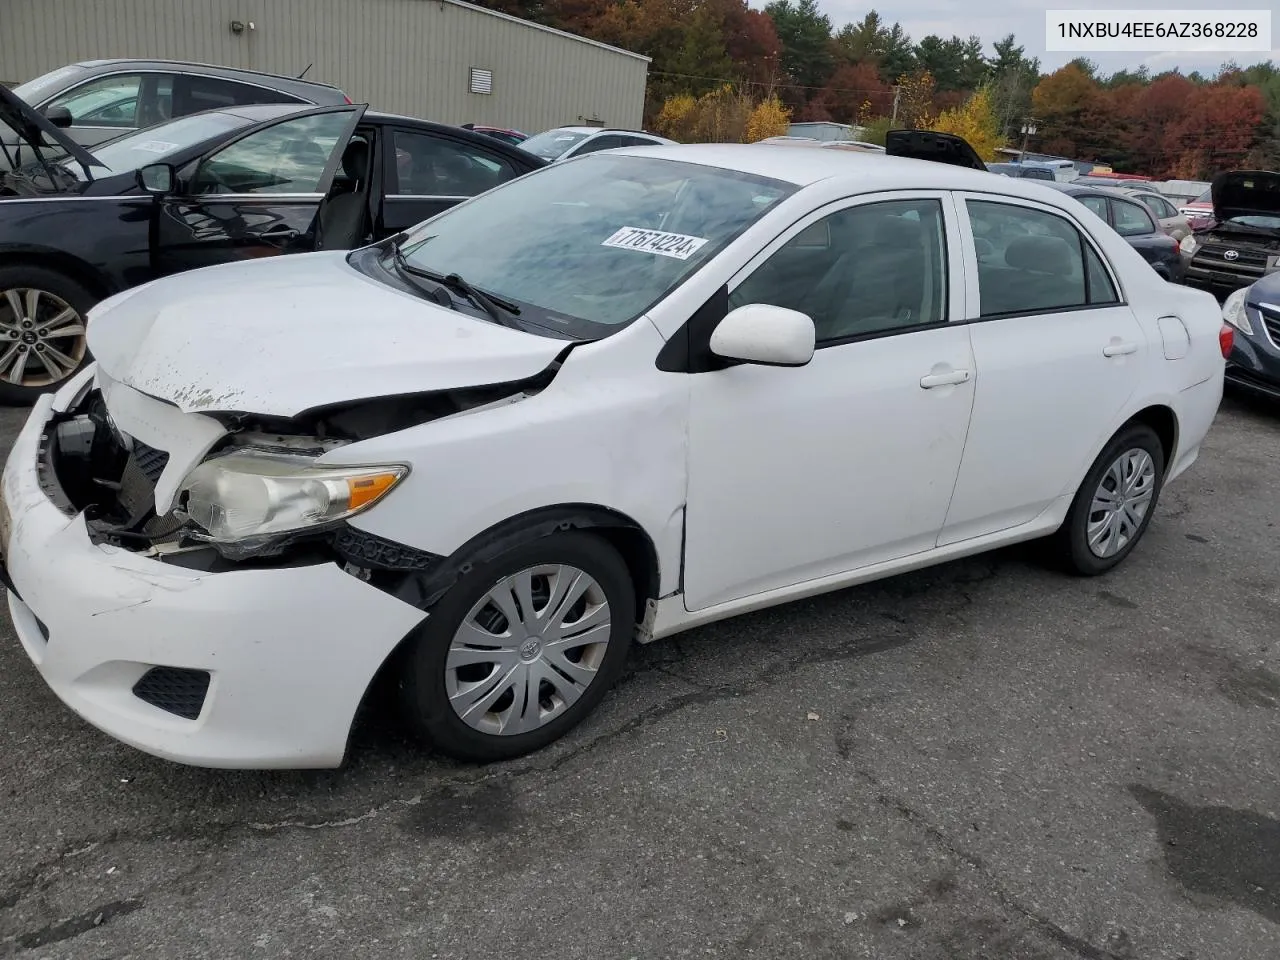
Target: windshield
x=553 y=144
x=153 y=144
x=46 y=85
x=591 y=245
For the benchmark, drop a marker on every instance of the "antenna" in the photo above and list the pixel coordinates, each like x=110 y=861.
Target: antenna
x=304 y=72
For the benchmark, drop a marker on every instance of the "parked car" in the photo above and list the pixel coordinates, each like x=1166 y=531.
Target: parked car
x=563 y=143
x=98 y=100
x=1254 y=312
x=513 y=137
x=481 y=457
x=1191 y=197
x=77 y=226
x=1240 y=244
x=1135 y=223
x=1171 y=221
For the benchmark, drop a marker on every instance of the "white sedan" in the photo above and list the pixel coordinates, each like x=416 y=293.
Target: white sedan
x=609 y=401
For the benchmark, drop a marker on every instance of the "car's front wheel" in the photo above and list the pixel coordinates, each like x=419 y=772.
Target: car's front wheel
x=42 y=331
x=521 y=649
x=1114 y=505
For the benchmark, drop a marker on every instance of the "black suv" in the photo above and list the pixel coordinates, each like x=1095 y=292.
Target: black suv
x=1242 y=243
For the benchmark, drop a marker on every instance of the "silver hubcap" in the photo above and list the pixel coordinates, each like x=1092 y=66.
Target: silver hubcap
x=41 y=337
x=1121 y=501
x=528 y=649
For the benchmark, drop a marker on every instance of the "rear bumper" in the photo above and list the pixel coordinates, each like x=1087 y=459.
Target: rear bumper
x=289 y=651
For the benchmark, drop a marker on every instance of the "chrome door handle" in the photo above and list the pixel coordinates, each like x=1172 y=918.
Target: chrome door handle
x=1117 y=349
x=944 y=379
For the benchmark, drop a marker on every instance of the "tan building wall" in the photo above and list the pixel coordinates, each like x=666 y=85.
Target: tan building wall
x=404 y=56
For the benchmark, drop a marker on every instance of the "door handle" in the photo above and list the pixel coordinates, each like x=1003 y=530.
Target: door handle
x=1118 y=348
x=944 y=379
x=278 y=232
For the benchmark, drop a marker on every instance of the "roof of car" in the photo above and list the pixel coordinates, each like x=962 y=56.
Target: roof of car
x=590 y=130
x=807 y=165
x=210 y=67
x=1077 y=189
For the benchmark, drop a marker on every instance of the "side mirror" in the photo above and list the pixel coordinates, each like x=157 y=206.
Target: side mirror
x=60 y=117
x=764 y=334
x=157 y=178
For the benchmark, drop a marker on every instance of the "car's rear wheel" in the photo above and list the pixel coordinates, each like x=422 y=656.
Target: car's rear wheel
x=521 y=649
x=1114 y=505
x=42 y=331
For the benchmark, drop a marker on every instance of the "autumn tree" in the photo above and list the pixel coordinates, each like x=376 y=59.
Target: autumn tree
x=976 y=122
x=915 y=100
x=770 y=118
x=854 y=94
x=1066 y=103
x=1215 y=132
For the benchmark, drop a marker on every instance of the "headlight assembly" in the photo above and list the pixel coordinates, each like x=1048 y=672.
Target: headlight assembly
x=1234 y=313
x=1189 y=245
x=253 y=493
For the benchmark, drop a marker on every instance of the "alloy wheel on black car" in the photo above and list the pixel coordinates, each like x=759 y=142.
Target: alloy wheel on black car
x=42 y=331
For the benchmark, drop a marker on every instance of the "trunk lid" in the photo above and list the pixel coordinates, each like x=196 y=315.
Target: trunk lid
x=928 y=145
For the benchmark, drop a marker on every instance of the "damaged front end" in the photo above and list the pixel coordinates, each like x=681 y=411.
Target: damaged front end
x=258 y=494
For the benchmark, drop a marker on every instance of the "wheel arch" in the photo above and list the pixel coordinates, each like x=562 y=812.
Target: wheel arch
x=82 y=272
x=624 y=534
x=1164 y=421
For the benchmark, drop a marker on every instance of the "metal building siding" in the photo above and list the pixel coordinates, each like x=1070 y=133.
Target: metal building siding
x=404 y=56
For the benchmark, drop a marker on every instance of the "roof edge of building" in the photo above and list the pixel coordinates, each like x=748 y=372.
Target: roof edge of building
x=545 y=29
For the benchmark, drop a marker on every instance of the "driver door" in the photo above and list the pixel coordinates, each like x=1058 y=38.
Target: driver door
x=257 y=196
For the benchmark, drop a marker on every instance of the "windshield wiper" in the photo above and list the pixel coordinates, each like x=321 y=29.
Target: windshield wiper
x=498 y=309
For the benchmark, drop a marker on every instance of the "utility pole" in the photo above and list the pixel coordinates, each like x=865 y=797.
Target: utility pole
x=897 y=92
x=1028 y=130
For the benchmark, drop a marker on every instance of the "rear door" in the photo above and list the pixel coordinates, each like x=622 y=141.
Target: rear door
x=1057 y=351
x=426 y=173
x=257 y=196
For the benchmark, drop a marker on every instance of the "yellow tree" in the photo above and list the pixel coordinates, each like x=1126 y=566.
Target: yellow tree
x=975 y=121
x=769 y=119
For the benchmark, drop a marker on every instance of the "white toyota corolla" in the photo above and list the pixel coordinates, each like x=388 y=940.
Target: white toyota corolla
x=614 y=399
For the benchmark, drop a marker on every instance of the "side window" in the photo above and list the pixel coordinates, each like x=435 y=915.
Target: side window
x=1131 y=219
x=867 y=269
x=1098 y=205
x=631 y=141
x=105 y=102
x=431 y=166
x=287 y=157
x=607 y=142
x=215 y=93
x=1035 y=262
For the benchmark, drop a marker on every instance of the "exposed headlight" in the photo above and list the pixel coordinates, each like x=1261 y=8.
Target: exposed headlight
x=1189 y=245
x=1233 y=312
x=258 y=493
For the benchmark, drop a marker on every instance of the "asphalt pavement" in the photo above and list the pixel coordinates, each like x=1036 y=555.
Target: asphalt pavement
x=984 y=760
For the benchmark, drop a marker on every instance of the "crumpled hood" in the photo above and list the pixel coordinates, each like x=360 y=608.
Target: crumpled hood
x=1242 y=193
x=284 y=335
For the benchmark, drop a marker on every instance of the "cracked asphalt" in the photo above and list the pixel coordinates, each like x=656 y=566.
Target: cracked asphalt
x=984 y=760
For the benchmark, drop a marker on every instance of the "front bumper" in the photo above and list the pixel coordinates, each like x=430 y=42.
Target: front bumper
x=288 y=651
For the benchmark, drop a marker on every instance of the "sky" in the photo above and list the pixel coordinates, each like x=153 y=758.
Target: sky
x=994 y=19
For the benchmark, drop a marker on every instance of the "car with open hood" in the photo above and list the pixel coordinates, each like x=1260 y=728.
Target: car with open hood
x=609 y=401
x=80 y=224
x=1241 y=244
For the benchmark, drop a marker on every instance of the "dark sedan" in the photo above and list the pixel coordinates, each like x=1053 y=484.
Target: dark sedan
x=1254 y=311
x=1133 y=221
x=248 y=181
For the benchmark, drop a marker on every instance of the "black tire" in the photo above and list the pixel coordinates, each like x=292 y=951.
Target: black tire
x=1070 y=546
x=424 y=701
x=22 y=276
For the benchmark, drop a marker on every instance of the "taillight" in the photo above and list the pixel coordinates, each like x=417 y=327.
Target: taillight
x=1226 y=340
x=346 y=98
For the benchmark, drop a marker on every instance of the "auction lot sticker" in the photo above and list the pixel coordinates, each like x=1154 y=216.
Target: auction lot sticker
x=1157 y=31
x=676 y=245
